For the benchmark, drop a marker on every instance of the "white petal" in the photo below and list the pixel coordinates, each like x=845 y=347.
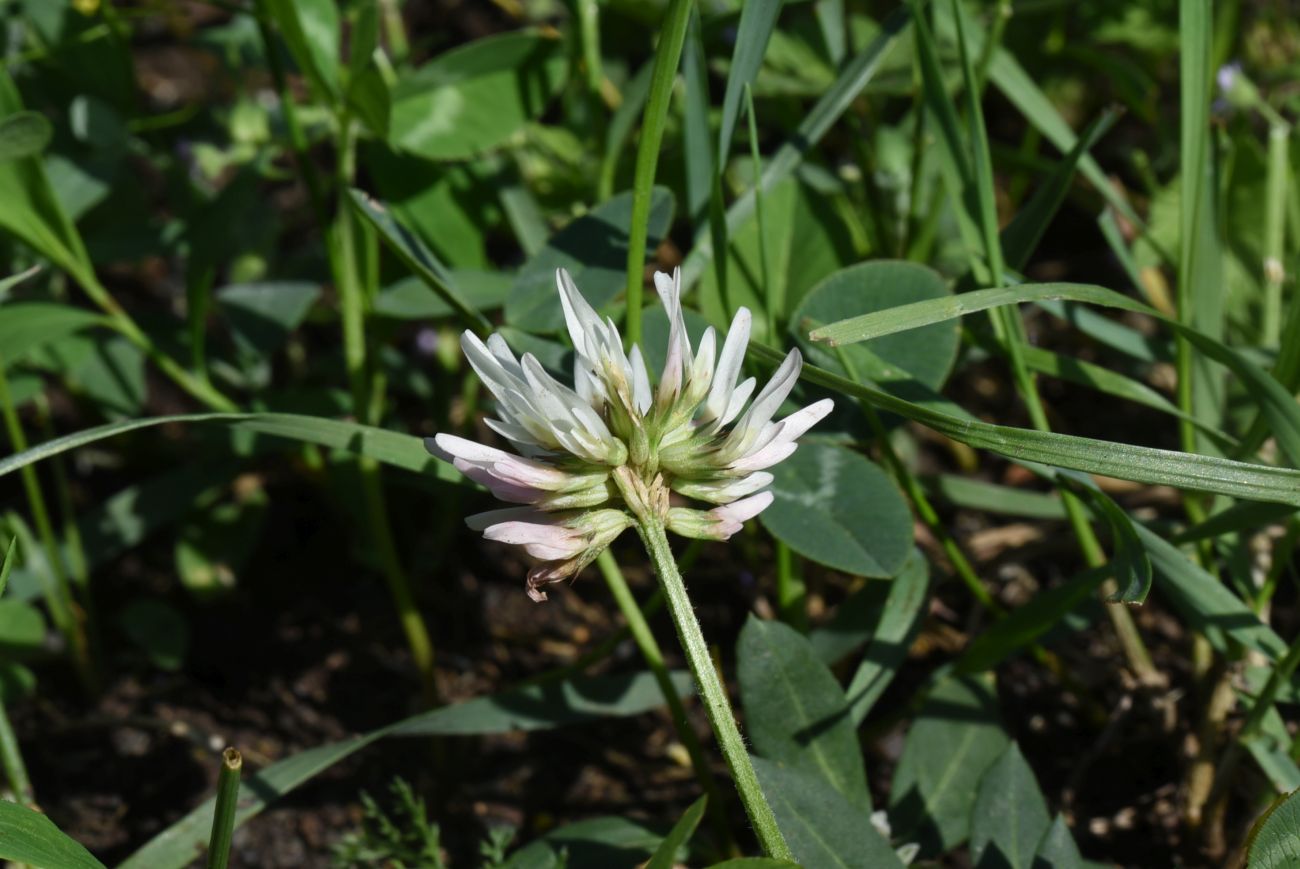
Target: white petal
x=483 y=521
x=772 y=454
x=767 y=402
x=448 y=447
x=515 y=531
x=744 y=509
x=582 y=320
x=794 y=425
x=641 y=394
x=729 y=362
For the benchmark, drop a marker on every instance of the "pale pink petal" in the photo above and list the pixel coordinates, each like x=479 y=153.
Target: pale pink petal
x=744 y=509
x=483 y=521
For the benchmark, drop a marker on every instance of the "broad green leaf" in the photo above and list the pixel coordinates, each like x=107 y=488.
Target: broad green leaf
x=126 y=518
x=1278 y=406
x=24 y=326
x=757 y=21
x=1009 y=817
x=417 y=257
x=822 y=828
x=837 y=99
x=24 y=134
x=954 y=740
x=835 y=507
x=311 y=30
x=389 y=447
x=596 y=843
x=264 y=315
x=880 y=285
x=665 y=856
x=900 y=619
x=1274 y=841
x=795 y=711
x=804 y=239
x=1058 y=850
x=594 y=250
x=113 y=376
x=410 y=298
x=27 y=836
x=474 y=97
x=852 y=622
x=212 y=549
x=536 y=707
x=28 y=206
x=160 y=631
x=22 y=627
x=369 y=97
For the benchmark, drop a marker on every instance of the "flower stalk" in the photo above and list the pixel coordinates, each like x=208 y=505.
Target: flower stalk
x=712 y=693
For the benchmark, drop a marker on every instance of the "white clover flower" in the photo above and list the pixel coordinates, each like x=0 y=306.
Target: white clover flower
x=611 y=451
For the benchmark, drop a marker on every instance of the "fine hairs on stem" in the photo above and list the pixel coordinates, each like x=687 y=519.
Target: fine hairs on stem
x=712 y=692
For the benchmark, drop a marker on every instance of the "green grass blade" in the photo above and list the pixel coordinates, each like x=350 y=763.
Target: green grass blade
x=413 y=253
x=1026 y=229
x=1200 y=268
x=30 y=838
x=536 y=707
x=757 y=21
x=1278 y=406
x=667 y=57
x=810 y=131
x=389 y=447
x=696 y=141
x=1123 y=461
x=620 y=127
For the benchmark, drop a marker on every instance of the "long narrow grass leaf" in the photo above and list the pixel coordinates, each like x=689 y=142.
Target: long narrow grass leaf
x=810 y=131
x=1279 y=407
x=757 y=21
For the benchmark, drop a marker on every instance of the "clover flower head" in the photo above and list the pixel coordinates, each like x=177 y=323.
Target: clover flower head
x=594 y=459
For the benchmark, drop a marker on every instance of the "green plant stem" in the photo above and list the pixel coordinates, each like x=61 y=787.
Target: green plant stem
x=654 y=659
x=63 y=607
x=1275 y=231
x=120 y=320
x=11 y=759
x=712 y=693
x=667 y=57
x=348 y=278
x=791 y=593
x=223 y=815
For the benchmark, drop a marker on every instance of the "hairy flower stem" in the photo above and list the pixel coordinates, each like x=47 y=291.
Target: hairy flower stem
x=712 y=692
x=654 y=659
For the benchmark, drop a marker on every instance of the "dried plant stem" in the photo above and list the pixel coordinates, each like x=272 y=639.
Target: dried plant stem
x=712 y=692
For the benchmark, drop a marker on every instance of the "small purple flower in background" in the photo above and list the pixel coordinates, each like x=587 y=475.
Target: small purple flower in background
x=595 y=459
